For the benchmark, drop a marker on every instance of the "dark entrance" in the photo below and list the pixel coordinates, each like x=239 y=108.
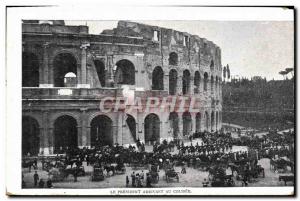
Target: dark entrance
x=30 y=136
x=152 y=128
x=101 y=131
x=65 y=132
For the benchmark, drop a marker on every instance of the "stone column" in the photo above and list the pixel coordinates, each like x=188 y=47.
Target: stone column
x=51 y=140
x=79 y=137
x=46 y=82
x=139 y=79
x=191 y=89
x=193 y=116
x=180 y=126
x=44 y=147
x=88 y=137
x=166 y=82
x=83 y=73
x=84 y=124
x=179 y=85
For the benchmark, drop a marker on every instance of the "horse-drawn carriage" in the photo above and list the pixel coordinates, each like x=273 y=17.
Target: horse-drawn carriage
x=279 y=165
x=170 y=173
x=97 y=174
x=153 y=172
x=219 y=177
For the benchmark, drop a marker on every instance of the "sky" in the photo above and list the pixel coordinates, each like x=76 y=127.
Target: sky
x=250 y=48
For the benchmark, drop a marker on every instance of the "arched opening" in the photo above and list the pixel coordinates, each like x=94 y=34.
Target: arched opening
x=30 y=136
x=216 y=84
x=131 y=124
x=186 y=80
x=152 y=128
x=187 y=123
x=30 y=70
x=212 y=118
x=70 y=80
x=197 y=82
x=65 y=134
x=100 y=68
x=205 y=81
x=101 y=131
x=212 y=84
x=125 y=72
x=173 y=59
x=158 y=78
x=212 y=65
x=206 y=121
x=217 y=120
x=198 y=122
x=63 y=64
x=172 y=82
x=173 y=120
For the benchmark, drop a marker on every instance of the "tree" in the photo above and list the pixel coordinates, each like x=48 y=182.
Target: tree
x=228 y=72
x=283 y=73
x=224 y=73
x=290 y=70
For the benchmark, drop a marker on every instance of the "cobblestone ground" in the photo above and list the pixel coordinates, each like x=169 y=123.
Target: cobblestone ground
x=193 y=178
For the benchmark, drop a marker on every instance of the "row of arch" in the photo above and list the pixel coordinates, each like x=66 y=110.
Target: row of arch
x=65 y=67
x=65 y=130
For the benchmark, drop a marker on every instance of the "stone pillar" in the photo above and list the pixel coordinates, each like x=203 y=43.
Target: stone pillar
x=193 y=116
x=139 y=78
x=179 y=85
x=83 y=72
x=84 y=125
x=166 y=82
x=88 y=136
x=79 y=137
x=140 y=127
x=119 y=129
x=191 y=89
x=45 y=78
x=45 y=141
x=109 y=78
x=51 y=140
x=180 y=126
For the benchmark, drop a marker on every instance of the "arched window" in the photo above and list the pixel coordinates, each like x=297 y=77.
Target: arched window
x=158 y=78
x=212 y=65
x=173 y=121
x=70 y=79
x=173 y=59
x=30 y=70
x=186 y=81
x=172 y=82
x=100 y=68
x=125 y=72
x=63 y=63
x=187 y=123
x=212 y=84
x=205 y=81
x=197 y=82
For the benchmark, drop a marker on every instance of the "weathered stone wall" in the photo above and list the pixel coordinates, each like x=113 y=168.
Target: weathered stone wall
x=130 y=41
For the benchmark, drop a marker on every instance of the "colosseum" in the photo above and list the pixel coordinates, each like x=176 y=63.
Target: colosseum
x=67 y=73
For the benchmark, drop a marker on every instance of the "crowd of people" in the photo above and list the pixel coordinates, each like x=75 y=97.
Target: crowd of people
x=215 y=148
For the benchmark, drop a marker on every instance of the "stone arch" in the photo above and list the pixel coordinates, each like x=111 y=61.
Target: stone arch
x=173 y=58
x=187 y=123
x=212 y=65
x=173 y=76
x=30 y=135
x=63 y=63
x=186 y=82
x=212 y=119
x=125 y=72
x=206 y=121
x=198 y=122
x=158 y=78
x=174 y=124
x=65 y=133
x=100 y=68
x=205 y=81
x=101 y=131
x=197 y=80
x=212 y=84
x=30 y=69
x=152 y=128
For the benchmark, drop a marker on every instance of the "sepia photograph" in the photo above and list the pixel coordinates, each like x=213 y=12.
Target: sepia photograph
x=156 y=107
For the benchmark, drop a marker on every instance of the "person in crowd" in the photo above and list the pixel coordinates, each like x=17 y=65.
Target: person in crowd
x=133 y=179
x=41 y=183
x=35 y=178
x=127 y=181
x=49 y=183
